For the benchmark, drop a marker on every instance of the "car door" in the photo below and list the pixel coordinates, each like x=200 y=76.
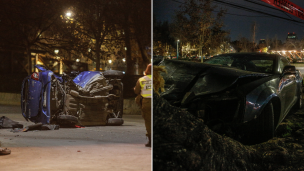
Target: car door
x=288 y=86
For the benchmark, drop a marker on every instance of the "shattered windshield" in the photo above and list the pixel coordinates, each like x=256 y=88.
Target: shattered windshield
x=253 y=63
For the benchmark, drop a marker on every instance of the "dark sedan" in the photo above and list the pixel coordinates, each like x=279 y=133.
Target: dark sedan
x=250 y=93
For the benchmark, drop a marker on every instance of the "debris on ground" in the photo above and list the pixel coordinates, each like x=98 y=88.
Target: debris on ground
x=35 y=127
x=5 y=122
x=4 y=151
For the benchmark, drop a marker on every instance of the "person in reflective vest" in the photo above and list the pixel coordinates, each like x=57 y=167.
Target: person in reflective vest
x=144 y=88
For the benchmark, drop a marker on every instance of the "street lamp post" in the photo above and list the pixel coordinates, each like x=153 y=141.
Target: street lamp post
x=56 y=51
x=177 y=50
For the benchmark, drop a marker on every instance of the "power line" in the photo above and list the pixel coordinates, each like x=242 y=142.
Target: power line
x=270 y=8
x=225 y=12
x=256 y=11
x=250 y=10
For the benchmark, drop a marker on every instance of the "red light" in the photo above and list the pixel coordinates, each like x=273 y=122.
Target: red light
x=35 y=76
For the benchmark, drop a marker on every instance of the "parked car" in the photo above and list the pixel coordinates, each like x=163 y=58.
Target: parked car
x=86 y=98
x=251 y=93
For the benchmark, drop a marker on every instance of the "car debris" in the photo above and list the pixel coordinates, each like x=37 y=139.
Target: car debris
x=5 y=151
x=36 y=127
x=88 y=98
x=5 y=122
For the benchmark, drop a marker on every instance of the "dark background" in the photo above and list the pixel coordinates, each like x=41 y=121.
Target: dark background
x=239 y=21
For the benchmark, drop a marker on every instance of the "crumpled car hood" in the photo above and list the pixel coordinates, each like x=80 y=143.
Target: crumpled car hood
x=200 y=78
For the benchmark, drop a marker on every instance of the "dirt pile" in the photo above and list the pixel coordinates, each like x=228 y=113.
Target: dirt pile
x=183 y=142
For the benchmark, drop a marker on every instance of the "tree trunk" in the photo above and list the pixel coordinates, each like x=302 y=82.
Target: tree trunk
x=129 y=60
x=143 y=52
x=97 y=56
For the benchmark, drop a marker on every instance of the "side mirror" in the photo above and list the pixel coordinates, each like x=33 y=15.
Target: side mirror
x=289 y=70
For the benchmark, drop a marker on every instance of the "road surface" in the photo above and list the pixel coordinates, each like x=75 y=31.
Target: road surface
x=90 y=148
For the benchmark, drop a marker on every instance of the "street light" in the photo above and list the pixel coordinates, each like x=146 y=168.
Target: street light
x=56 y=51
x=68 y=14
x=177 y=50
x=110 y=61
x=124 y=59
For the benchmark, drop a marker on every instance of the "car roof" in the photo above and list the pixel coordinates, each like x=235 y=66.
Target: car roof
x=249 y=54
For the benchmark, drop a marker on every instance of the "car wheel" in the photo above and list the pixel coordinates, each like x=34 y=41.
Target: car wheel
x=115 y=121
x=299 y=103
x=265 y=124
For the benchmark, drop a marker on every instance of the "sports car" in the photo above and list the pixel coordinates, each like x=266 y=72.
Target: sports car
x=86 y=98
x=249 y=93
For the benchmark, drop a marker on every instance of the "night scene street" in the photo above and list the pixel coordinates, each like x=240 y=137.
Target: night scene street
x=76 y=85
x=228 y=83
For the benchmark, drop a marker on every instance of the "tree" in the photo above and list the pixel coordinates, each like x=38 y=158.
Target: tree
x=92 y=23
x=141 y=18
x=135 y=20
x=162 y=39
x=196 y=24
x=24 y=23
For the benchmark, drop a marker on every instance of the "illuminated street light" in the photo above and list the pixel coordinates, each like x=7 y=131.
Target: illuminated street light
x=110 y=61
x=77 y=60
x=124 y=59
x=68 y=14
x=56 y=51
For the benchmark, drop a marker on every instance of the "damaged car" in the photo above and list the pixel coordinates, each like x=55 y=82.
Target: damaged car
x=86 y=98
x=247 y=93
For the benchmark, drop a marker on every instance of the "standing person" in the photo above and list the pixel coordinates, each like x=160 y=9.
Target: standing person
x=144 y=89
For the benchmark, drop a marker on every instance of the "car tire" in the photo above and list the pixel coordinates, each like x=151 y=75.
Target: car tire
x=115 y=122
x=299 y=103
x=265 y=124
x=67 y=119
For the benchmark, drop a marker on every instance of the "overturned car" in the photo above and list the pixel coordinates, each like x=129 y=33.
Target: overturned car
x=86 y=98
x=247 y=93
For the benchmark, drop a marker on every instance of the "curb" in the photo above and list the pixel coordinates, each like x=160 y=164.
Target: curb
x=10 y=99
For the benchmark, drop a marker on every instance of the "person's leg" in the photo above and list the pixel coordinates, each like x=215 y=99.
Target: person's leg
x=146 y=113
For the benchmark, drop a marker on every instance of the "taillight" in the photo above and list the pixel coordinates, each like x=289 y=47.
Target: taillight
x=35 y=76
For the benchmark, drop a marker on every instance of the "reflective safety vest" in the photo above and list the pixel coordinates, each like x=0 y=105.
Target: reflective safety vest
x=146 y=86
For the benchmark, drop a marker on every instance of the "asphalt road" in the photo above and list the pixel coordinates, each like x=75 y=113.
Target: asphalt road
x=90 y=148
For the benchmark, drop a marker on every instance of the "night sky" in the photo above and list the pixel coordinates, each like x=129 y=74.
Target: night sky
x=241 y=25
